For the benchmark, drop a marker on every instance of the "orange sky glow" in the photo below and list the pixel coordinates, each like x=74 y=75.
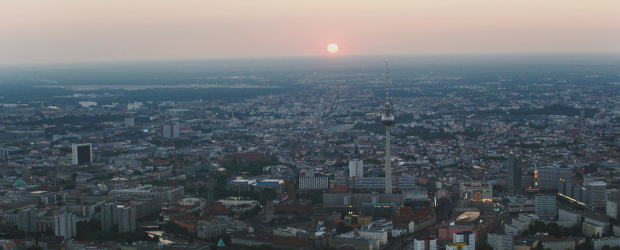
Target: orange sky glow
x=42 y=31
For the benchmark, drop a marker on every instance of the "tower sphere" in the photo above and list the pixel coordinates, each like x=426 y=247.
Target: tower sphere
x=387 y=119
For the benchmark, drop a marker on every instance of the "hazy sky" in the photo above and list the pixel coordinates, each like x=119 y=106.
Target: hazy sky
x=45 y=31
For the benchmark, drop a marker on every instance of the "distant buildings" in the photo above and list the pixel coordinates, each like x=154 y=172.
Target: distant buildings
x=344 y=202
x=476 y=191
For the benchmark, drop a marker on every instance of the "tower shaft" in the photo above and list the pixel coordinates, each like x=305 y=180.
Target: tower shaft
x=388 y=162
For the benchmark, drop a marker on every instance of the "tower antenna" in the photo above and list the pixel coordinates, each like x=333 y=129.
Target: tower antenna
x=387 y=85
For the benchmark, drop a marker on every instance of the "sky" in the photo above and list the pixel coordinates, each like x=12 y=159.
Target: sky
x=44 y=31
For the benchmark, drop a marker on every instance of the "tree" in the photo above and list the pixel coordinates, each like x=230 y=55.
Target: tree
x=343 y=228
x=606 y=247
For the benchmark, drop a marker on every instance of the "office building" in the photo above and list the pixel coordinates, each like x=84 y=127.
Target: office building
x=515 y=173
x=501 y=241
x=428 y=243
x=547 y=178
x=356 y=168
x=82 y=153
x=65 y=225
x=171 y=131
x=545 y=206
x=596 y=193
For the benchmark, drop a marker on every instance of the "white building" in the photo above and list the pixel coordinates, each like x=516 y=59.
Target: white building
x=356 y=168
x=65 y=225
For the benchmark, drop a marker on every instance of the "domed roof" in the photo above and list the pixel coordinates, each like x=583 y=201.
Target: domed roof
x=19 y=182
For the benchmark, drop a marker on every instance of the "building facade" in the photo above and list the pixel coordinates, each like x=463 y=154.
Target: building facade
x=313 y=183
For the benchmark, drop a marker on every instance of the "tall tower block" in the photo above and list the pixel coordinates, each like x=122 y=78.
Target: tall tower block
x=387 y=119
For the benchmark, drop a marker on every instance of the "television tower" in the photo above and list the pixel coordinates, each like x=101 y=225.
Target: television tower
x=387 y=119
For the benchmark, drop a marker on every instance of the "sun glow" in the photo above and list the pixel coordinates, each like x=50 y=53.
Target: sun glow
x=332 y=48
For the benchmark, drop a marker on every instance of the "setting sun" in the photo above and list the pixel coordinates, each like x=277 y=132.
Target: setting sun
x=332 y=48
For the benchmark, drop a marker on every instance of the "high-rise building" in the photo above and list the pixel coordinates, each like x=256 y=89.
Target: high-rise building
x=428 y=243
x=65 y=225
x=501 y=241
x=356 y=168
x=107 y=216
x=127 y=219
x=515 y=173
x=545 y=206
x=113 y=214
x=547 y=178
x=82 y=153
x=27 y=220
x=171 y=130
x=387 y=119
